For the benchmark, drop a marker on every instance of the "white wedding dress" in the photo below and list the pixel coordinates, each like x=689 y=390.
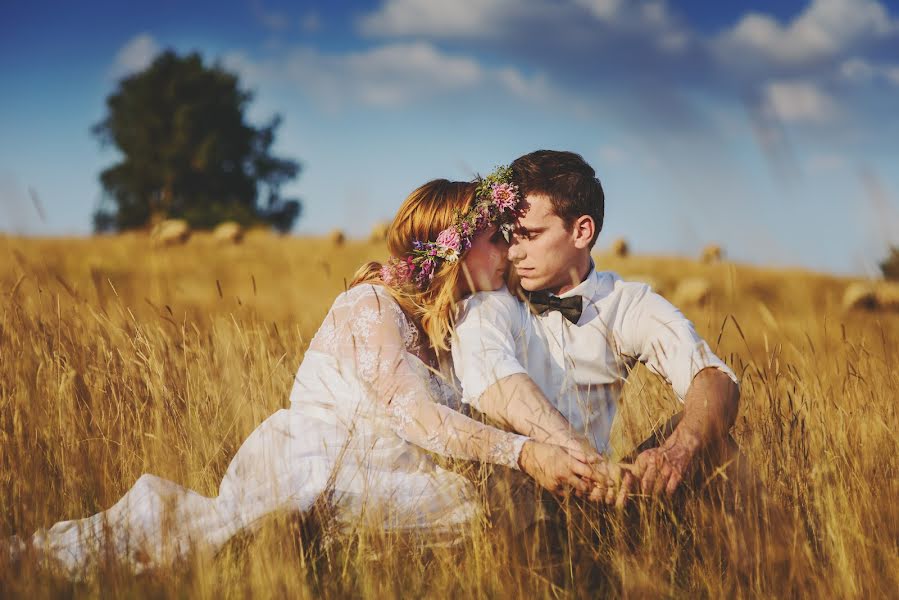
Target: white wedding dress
x=365 y=411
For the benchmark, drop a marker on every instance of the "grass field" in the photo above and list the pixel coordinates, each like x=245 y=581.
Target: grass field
x=117 y=358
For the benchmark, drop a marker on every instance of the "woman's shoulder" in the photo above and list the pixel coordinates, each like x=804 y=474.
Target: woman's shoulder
x=368 y=303
x=367 y=295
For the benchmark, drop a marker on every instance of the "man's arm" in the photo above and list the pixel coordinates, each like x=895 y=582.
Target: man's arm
x=710 y=409
x=519 y=404
x=655 y=332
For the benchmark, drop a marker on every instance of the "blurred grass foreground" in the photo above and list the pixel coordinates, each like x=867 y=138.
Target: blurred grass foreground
x=118 y=358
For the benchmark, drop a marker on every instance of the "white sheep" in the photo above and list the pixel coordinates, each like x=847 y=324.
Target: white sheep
x=887 y=293
x=228 y=232
x=170 y=232
x=860 y=295
x=695 y=291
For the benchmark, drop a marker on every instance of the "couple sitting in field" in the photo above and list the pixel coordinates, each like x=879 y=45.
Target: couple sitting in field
x=378 y=391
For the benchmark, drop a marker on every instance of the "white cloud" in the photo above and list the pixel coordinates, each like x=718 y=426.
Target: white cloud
x=858 y=70
x=396 y=75
x=647 y=18
x=503 y=19
x=136 y=55
x=439 y=19
x=799 y=101
x=388 y=76
x=538 y=90
x=826 y=28
x=605 y=10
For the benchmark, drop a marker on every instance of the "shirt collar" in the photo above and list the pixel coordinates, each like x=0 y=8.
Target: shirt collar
x=588 y=287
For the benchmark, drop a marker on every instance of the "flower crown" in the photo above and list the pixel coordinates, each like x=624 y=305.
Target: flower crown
x=496 y=203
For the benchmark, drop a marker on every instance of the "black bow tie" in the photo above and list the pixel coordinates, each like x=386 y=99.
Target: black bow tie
x=541 y=302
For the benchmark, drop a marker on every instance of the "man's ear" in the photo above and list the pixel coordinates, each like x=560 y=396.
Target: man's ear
x=583 y=230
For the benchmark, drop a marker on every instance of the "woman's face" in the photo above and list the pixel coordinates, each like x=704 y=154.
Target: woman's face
x=486 y=261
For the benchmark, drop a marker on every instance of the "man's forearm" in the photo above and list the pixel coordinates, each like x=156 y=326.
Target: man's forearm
x=710 y=409
x=519 y=404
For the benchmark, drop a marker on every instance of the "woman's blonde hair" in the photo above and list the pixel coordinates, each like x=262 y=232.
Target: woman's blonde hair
x=426 y=212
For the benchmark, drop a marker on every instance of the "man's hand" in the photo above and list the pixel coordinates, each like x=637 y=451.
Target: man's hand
x=710 y=408
x=615 y=484
x=559 y=470
x=663 y=469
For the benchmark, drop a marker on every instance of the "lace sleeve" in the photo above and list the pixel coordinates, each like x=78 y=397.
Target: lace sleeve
x=373 y=333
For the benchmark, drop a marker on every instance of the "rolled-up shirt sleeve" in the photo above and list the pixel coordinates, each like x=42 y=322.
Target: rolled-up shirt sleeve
x=483 y=343
x=659 y=335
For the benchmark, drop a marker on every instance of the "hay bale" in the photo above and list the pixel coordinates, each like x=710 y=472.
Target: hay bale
x=887 y=295
x=379 y=232
x=711 y=254
x=228 y=232
x=693 y=291
x=337 y=237
x=620 y=248
x=860 y=295
x=170 y=232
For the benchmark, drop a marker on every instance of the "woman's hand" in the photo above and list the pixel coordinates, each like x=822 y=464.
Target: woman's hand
x=615 y=484
x=559 y=470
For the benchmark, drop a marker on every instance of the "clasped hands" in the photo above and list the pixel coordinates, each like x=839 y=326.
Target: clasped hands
x=585 y=473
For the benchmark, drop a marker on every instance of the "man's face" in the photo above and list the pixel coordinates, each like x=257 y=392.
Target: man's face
x=542 y=248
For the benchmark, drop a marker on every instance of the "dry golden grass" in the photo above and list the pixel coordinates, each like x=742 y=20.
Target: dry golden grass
x=117 y=358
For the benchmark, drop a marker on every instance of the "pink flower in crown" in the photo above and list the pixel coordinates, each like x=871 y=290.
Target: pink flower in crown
x=505 y=196
x=402 y=271
x=387 y=275
x=396 y=272
x=449 y=239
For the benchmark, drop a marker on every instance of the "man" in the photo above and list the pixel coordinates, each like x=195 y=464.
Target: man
x=552 y=364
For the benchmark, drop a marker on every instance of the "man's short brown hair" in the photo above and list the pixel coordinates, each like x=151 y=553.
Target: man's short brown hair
x=567 y=180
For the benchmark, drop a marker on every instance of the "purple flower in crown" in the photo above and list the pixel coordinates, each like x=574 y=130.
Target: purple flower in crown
x=505 y=196
x=426 y=272
x=481 y=218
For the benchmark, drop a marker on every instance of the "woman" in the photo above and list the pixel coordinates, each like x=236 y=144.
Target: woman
x=368 y=406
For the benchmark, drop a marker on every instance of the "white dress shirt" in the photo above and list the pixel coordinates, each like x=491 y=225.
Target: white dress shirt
x=580 y=367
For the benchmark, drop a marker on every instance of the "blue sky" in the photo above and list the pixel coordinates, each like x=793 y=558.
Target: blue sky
x=768 y=127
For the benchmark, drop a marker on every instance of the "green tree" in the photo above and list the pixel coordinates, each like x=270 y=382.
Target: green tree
x=890 y=266
x=187 y=151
